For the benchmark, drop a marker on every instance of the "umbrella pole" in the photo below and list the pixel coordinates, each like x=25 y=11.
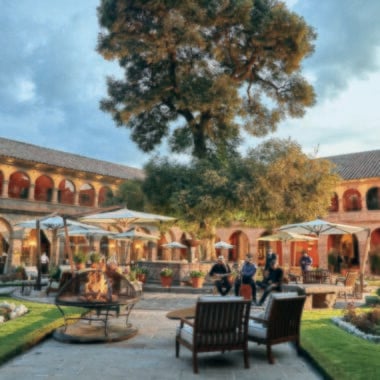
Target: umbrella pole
x=365 y=258
x=67 y=246
x=38 y=246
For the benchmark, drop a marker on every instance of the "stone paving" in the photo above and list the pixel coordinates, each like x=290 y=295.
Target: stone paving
x=150 y=354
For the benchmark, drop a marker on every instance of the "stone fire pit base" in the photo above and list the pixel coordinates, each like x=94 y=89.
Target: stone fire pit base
x=83 y=332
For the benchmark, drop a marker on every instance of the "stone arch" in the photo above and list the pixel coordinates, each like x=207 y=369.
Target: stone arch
x=86 y=195
x=240 y=241
x=105 y=192
x=352 y=200
x=348 y=246
x=66 y=192
x=19 y=184
x=334 y=203
x=29 y=247
x=373 y=198
x=43 y=189
x=165 y=253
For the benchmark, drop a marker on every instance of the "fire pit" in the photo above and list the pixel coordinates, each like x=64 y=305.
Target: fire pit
x=105 y=295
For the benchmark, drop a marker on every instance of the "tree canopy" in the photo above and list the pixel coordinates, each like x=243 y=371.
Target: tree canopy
x=199 y=72
x=276 y=183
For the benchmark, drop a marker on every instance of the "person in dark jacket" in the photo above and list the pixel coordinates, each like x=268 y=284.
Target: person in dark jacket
x=220 y=270
x=268 y=258
x=272 y=282
x=305 y=262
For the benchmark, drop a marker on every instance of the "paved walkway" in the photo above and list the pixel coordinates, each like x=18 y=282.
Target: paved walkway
x=150 y=354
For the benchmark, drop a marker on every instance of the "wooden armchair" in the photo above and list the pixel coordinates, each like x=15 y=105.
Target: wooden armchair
x=220 y=324
x=348 y=284
x=279 y=323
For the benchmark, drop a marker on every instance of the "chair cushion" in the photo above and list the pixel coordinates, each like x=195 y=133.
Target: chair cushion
x=185 y=333
x=219 y=298
x=256 y=329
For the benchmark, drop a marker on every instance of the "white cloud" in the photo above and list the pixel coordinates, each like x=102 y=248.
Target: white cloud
x=24 y=90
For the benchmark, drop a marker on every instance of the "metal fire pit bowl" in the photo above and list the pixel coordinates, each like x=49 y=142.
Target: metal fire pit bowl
x=105 y=296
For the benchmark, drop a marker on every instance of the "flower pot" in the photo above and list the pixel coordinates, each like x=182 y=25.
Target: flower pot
x=80 y=266
x=141 y=277
x=197 y=282
x=166 y=282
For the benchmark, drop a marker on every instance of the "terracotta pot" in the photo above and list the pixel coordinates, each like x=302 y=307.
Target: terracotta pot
x=166 y=282
x=141 y=277
x=80 y=266
x=197 y=282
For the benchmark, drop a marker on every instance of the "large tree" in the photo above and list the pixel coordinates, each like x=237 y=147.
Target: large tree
x=276 y=183
x=198 y=72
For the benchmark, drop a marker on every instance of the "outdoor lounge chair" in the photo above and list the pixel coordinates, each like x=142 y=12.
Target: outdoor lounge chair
x=279 y=323
x=220 y=324
x=348 y=284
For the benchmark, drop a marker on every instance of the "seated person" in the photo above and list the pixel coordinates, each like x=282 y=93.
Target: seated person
x=305 y=262
x=272 y=281
x=247 y=273
x=221 y=270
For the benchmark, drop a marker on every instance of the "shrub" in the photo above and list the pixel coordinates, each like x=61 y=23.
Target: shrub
x=166 y=272
x=197 y=273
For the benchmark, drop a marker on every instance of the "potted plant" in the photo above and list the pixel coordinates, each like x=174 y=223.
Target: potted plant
x=166 y=275
x=95 y=259
x=141 y=274
x=197 y=278
x=20 y=273
x=79 y=260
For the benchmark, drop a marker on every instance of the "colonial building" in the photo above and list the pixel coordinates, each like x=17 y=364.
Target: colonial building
x=36 y=181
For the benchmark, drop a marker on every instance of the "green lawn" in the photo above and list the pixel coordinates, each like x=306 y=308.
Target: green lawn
x=24 y=332
x=339 y=354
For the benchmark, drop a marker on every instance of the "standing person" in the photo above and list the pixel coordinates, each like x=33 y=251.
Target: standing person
x=44 y=263
x=306 y=261
x=272 y=282
x=221 y=270
x=247 y=274
x=338 y=263
x=269 y=257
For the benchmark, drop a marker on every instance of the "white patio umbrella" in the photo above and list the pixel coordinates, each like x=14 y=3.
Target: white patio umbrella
x=174 y=244
x=52 y=223
x=86 y=232
x=286 y=236
x=223 y=245
x=126 y=216
x=133 y=234
x=321 y=227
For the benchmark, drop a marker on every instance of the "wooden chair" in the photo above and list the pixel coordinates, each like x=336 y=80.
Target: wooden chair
x=295 y=274
x=279 y=323
x=348 y=283
x=220 y=324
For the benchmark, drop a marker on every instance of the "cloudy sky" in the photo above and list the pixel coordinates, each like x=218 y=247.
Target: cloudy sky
x=51 y=79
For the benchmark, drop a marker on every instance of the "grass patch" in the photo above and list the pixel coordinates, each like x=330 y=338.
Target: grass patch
x=337 y=353
x=20 y=334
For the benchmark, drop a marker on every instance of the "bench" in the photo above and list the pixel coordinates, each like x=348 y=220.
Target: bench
x=318 y=296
